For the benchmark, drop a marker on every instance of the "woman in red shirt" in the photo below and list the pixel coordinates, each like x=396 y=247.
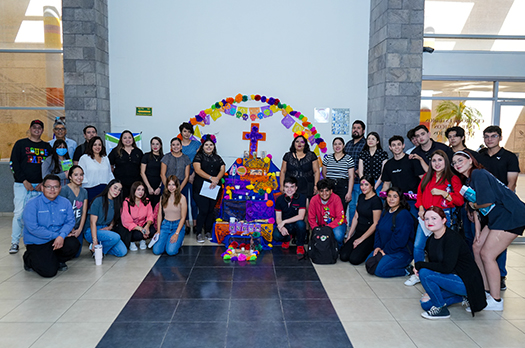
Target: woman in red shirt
x=438 y=188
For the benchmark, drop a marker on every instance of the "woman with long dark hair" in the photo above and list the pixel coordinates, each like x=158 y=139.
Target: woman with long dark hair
x=96 y=166
x=209 y=169
x=53 y=163
x=176 y=163
x=339 y=167
x=150 y=170
x=506 y=220
x=126 y=160
x=104 y=216
x=372 y=159
x=301 y=163
x=137 y=217
x=439 y=188
x=170 y=220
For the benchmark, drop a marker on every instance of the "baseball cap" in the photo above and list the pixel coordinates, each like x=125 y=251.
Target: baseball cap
x=37 y=122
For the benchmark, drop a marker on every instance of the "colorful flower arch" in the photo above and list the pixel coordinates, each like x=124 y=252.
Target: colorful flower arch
x=291 y=118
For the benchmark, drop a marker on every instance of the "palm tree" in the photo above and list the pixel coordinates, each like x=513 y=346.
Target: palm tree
x=456 y=114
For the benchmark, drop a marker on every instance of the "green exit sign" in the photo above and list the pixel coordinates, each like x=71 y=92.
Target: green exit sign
x=144 y=111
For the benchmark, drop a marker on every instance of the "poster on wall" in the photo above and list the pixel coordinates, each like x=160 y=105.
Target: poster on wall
x=340 y=121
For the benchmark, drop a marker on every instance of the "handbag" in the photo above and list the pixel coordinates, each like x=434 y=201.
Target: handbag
x=372 y=262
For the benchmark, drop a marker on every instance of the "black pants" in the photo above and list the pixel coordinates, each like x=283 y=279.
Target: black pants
x=341 y=189
x=360 y=253
x=45 y=261
x=206 y=213
x=128 y=236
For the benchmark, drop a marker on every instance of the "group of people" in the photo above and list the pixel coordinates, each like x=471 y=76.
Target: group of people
x=386 y=212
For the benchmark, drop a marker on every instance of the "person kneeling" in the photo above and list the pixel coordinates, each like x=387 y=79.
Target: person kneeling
x=48 y=220
x=290 y=209
x=326 y=209
x=451 y=274
x=394 y=237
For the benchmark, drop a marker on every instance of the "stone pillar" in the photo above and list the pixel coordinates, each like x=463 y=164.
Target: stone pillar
x=395 y=61
x=86 y=69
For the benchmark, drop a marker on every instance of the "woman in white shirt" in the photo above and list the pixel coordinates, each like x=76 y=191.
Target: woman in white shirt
x=96 y=166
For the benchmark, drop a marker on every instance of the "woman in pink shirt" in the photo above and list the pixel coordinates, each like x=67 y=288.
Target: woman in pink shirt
x=137 y=217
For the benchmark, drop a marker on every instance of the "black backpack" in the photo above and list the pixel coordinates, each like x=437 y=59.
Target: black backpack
x=322 y=248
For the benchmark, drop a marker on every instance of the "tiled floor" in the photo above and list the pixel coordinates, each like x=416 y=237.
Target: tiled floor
x=76 y=308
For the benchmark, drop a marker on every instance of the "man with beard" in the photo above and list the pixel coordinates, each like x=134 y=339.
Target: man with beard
x=354 y=148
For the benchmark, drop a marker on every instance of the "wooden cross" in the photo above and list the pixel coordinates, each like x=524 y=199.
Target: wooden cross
x=254 y=137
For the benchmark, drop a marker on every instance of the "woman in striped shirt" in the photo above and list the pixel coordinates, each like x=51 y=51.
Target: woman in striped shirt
x=339 y=167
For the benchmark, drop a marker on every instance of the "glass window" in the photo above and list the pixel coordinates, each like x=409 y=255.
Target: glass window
x=461 y=89
x=511 y=90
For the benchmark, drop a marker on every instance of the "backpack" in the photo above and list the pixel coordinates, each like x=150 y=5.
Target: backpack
x=322 y=248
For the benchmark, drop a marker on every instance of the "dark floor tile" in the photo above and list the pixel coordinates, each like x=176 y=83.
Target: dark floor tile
x=196 y=335
x=216 y=274
x=212 y=250
x=131 y=335
x=213 y=261
x=260 y=274
x=190 y=250
x=148 y=310
x=297 y=290
x=207 y=290
x=318 y=334
x=256 y=310
x=202 y=310
x=263 y=334
x=176 y=261
x=286 y=274
x=159 y=290
x=309 y=310
x=253 y=290
x=168 y=274
x=291 y=260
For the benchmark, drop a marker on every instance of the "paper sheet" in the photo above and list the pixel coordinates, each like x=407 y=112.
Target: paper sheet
x=208 y=192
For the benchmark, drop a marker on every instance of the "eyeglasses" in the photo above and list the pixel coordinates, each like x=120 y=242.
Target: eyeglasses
x=457 y=162
x=60 y=129
x=493 y=136
x=52 y=187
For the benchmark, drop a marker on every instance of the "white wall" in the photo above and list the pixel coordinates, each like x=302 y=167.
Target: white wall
x=179 y=57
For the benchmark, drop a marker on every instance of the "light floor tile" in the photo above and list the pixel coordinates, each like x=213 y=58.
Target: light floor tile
x=63 y=290
x=520 y=324
x=348 y=289
x=21 y=335
x=125 y=274
x=361 y=309
x=372 y=278
x=395 y=290
x=24 y=276
x=111 y=291
x=437 y=333
x=93 y=311
x=380 y=334
x=490 y=333
x=403 y=308
x=78 y=335
x=339 y=274
x=7 y=272
x=74 y=274
x=19 y=290
x=7 y=306
x=514 y=308
x=38 y=311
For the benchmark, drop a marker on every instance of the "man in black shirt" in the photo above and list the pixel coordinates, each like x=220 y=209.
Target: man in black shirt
x=456 y=140
x=353 y=148
x=89 y=132
x=27 y=157
x=290 y=209
x=427 y=146
x=401 y=171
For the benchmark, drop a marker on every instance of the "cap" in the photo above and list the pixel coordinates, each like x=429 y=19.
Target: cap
x=37 y=122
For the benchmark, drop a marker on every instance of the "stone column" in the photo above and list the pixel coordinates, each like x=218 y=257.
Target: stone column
x=86 y=69
x=395 y=61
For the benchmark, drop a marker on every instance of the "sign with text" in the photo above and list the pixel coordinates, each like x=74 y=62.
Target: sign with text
x=142 y=111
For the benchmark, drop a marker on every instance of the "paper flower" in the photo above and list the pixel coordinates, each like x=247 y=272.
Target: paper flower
x=269 y=203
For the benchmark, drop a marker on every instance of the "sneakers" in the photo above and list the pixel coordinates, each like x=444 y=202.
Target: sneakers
x=133 y=246
x=27 y=268
x=285 y=245
x=13 y=249
x=62 y=266
x=200 y=238
x=503 y=284
x=493 y=305
x=413 y=280
x=436 y=313
x=208 y=236
x=143 y=245
x=300 y=250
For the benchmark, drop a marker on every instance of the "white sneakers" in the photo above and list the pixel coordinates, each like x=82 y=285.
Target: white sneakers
x=493 y=305
x=413 y=280
x=142 y=245
x=133 y=246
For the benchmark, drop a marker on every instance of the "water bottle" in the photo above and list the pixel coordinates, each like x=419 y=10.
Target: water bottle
x=98 y=254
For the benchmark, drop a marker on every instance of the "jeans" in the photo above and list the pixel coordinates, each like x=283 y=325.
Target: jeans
x=443 y=289
x=187 y=191
x=297 y=229
x=21 y=196
x=339 y=233
x=111 y=243
x=392 y=265
x=421 y=239
x=356 y=191
x=167 y=230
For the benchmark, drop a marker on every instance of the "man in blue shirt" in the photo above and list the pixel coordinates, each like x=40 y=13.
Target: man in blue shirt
x=48 y=222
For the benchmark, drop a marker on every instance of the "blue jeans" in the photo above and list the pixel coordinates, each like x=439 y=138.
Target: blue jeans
x=187 y=191
x=111 y=243
x=339 y=233
x=356 y=191
x=421 y=239
x=392 y=265
x=21 y=196
x=297 y=229
x=167 y=230
x=443 y=289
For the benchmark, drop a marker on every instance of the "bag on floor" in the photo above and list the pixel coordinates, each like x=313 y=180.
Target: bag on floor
x=322 y=248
